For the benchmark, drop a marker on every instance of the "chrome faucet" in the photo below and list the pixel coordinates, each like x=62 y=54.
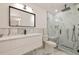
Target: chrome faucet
x=24 y=31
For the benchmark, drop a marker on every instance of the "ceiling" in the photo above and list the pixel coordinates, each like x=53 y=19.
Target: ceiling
x=52 y=7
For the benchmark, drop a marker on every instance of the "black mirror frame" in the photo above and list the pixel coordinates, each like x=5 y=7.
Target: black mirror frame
x=22 y=11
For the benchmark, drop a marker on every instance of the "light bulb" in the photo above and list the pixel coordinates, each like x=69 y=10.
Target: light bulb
x=56 y=10
x=18 y=5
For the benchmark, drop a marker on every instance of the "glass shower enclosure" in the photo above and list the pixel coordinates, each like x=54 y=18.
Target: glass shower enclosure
x=64 y=30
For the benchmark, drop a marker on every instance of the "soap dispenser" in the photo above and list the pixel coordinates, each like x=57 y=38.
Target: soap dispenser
x=24 y=31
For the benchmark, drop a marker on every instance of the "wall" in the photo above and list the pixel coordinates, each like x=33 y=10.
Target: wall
x=41 y=20
x=69 y=34
x=4 y=15
x=41 y=16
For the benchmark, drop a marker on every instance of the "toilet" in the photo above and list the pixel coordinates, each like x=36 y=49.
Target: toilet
x=49 y=44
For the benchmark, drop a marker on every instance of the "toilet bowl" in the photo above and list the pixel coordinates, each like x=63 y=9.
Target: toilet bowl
x=50 y=43
x=49 y=46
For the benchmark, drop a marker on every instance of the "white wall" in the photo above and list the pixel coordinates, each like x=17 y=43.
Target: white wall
x=4 y=15
x=41 y=16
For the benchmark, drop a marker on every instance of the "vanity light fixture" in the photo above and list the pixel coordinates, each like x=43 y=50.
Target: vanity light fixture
x=27 y=8
x=23 y=6
x=18 y=5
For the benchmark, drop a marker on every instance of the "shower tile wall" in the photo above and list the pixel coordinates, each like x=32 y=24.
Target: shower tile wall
x=14 y=31
x=51 y=23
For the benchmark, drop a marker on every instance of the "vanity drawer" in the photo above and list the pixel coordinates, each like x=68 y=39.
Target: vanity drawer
x=20 y=45
x=12 y=44
x=34 y=39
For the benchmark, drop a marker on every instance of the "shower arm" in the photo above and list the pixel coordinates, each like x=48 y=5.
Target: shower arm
x=66 y=8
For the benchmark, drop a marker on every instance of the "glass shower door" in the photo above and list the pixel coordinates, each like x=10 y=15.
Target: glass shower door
x=67 y=39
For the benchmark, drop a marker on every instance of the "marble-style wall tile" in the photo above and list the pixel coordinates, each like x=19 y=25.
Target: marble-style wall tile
x=20 y=31
x=4 y=32
x=12 y=31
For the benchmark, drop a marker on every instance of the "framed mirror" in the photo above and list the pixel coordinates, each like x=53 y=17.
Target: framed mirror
x=21 y=18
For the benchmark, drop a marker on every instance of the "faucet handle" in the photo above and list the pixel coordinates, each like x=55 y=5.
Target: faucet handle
x=25 y=31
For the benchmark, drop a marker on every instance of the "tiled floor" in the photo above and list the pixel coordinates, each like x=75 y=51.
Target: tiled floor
x=48 y=50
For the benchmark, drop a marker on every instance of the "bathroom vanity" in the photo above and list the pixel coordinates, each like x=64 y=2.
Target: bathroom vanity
x=20 y=44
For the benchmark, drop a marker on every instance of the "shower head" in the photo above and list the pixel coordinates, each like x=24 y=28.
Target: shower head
x=66 y=8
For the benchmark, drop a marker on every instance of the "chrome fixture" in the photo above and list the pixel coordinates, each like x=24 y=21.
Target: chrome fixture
x=66 y=8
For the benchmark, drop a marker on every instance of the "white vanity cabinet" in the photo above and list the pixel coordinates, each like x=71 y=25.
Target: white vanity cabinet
x=20 y=44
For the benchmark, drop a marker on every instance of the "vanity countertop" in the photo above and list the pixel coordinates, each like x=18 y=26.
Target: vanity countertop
x=18 y=36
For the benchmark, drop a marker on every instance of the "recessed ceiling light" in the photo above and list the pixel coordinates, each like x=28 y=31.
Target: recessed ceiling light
x=56 y=10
